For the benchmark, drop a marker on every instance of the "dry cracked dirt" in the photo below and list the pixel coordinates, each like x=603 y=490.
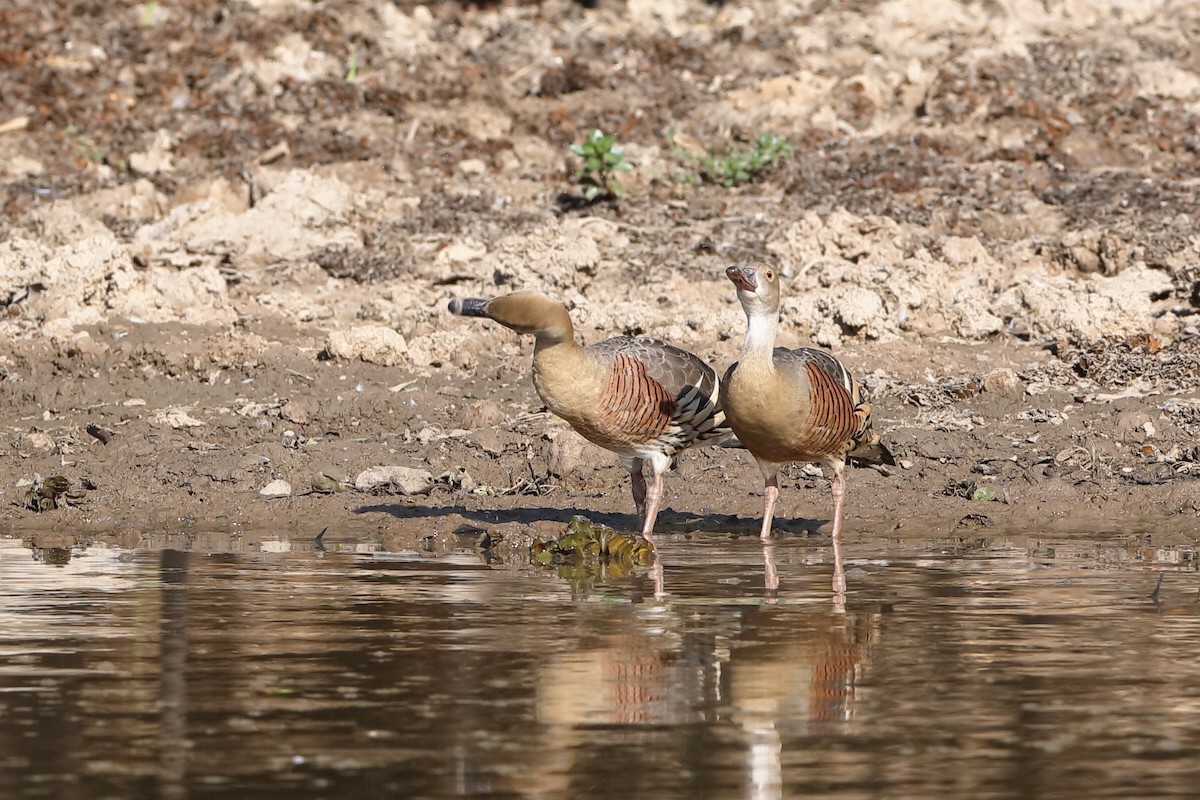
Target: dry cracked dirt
x=231 y=229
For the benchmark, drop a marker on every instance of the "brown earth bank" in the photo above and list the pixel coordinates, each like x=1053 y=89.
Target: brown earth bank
x=231 y=231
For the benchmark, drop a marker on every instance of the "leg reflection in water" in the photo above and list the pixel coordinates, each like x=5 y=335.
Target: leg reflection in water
x=771 y=580
x=770 y=573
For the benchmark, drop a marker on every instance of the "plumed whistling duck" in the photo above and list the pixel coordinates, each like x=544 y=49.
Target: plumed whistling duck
x=794 y=405
x=643 y=399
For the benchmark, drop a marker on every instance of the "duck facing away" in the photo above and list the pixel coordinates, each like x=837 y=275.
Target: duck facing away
x=643 y=399
x=794 y=405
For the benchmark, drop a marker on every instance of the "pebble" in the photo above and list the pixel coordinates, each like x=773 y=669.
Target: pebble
x=472 y=166
x=38 y=442
x=374 y=344
x=407 y=479
x=489 y=441
x=482 y=414
x=1005 y=383
x=276 y=488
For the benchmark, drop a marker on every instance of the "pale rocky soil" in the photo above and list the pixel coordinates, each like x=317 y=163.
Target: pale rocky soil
x=237 y=262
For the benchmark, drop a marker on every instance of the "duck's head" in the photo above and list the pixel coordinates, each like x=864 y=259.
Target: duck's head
x=757 y=287
x=523 y=312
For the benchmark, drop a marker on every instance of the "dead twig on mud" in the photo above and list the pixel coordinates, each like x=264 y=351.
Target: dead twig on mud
x=15 y=124
x=533 y=485
x=1087 y=459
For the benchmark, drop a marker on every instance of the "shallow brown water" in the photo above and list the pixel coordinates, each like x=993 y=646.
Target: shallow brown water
x=1000 y=667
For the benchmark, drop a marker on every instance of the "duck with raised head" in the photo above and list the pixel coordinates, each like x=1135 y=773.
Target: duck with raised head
x=643 y=399
x=798 y=405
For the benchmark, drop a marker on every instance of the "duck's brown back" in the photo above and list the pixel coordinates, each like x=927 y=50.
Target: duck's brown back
x=654 y=395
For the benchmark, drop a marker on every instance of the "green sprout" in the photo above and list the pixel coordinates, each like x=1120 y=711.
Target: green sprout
x=737 y=165
x=352 y=68
x=602 y=159
x=85 y=146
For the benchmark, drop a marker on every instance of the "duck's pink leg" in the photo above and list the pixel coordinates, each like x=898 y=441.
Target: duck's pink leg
x=772 y=492
x=653 y=501
x=839 y=574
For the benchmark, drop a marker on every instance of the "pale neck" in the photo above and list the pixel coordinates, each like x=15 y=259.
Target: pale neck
x=760 y=335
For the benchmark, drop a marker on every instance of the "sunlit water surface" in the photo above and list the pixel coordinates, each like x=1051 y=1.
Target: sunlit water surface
x=1002 y=667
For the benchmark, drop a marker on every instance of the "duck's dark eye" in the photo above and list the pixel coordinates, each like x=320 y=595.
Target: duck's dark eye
x=770 y=275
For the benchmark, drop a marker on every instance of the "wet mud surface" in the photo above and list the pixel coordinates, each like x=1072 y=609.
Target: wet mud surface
x=231 y=231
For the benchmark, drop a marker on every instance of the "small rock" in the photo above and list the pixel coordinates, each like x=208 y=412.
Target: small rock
x=406 y=479
x=482 y=414
x=37 y=442
x=276 y=488
x=299 y=412
x=489 y=441
x=175 y=417
x=375 y=344
x=461 y=252
x=150 y=163
x=19 y=166
x=472 y=166
x=1005 y=383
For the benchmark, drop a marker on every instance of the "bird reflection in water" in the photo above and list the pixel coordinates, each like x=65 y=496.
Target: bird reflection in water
x=785 y=681
x=776 y=673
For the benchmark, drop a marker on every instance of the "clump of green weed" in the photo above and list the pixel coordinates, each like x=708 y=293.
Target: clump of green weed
x=738 y=164
x=87 y=149
x=602 y=158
